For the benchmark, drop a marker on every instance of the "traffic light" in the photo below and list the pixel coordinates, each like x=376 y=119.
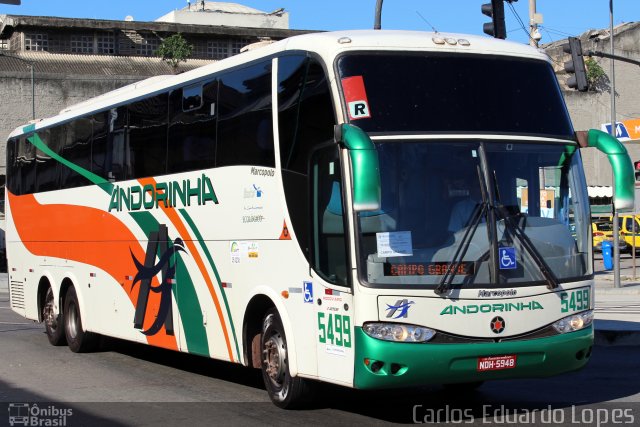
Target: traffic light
x=576 y=65
x=497 y=27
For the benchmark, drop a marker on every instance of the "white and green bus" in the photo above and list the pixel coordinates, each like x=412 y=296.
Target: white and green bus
x=373 y=209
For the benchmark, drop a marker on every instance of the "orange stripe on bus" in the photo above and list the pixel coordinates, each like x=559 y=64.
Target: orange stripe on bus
x=89 y=236
x=188 y=240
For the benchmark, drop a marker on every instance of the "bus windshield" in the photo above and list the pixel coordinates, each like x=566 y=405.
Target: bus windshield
x=433 y=93
x=484 y=212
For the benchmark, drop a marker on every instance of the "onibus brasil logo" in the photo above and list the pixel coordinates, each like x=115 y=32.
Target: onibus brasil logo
x=158 y=240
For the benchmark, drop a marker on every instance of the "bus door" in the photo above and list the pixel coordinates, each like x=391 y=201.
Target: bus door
x=330 y=290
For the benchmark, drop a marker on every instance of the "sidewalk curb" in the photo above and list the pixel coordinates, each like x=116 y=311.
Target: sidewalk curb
x=617 y=291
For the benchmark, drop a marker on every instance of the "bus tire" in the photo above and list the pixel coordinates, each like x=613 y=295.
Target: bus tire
x=284 y=391
x=54 y=324
x=79 y=341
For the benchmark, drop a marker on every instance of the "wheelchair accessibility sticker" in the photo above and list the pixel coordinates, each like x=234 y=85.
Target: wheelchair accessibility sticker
x=308 y=292
x=507 y=257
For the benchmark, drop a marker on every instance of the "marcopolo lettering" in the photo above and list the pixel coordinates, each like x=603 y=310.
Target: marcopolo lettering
x=492 y=308
x=168 y=194
x=497 y=293
x=262 y=172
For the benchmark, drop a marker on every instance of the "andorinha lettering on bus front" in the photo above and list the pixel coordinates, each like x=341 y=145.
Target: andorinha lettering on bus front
x=168 y=194
x=492 y=308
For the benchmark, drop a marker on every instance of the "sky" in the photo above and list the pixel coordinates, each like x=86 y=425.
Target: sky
x=562 y=18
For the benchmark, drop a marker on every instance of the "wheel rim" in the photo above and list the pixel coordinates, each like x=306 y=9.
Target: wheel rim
x=48 y=314
x=72 y=320
x=275 y=359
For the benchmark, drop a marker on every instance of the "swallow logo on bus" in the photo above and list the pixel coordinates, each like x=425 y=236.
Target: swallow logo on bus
x=401 y=307
x=145 y=275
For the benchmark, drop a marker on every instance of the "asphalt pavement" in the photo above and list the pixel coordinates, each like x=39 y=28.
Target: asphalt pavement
x=617 y=312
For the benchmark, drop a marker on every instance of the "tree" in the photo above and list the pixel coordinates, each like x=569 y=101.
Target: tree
x=598 y=79
x=174 y=50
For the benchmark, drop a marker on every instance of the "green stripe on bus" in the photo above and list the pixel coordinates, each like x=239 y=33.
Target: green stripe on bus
x=198 y=236
x=96 y=179
x=191 y=318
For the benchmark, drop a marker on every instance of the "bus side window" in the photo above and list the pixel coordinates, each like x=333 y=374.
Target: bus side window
x=118 y=155
x=147 y=134
x=305 y=119
x=13 y=167
x=76 y=147
x=47 y=167
x=26 y=161
x=245 y=124
x=99 y=144
x=192 y=131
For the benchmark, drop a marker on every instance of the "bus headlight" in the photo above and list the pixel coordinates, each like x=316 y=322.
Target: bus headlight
x=398 y=332
x=574 y=322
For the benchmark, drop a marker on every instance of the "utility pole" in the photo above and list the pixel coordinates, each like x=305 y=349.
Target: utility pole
x=535 y=19
x=377 y=24
x=616 y=226
x=533 y=26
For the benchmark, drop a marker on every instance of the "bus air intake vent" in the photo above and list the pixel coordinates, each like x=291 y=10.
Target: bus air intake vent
x=17 y=295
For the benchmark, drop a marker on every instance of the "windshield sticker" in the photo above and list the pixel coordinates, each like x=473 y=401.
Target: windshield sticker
x=356 y=97
x=396 y=243
x=507 y=258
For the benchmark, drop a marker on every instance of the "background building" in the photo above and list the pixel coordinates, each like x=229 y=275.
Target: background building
x=592 y=110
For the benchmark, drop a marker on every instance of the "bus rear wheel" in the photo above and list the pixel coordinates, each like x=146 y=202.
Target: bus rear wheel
x=79 y=340
x=285 y=391
x=53 y=323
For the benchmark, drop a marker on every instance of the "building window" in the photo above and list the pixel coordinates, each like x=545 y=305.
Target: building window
x=106 y=44
x=200 y=50
x=4 y=44
x=236 y=45
x=82 y=44
x=36 y=42
x=218 y=49
x=147 y=47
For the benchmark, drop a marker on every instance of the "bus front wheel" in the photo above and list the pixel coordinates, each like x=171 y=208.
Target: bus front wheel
x=53 y=323
x=285 y=391
x=79 y=340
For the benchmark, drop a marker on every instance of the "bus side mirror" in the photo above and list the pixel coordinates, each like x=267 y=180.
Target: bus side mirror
x=367 y=192
x=623 y=174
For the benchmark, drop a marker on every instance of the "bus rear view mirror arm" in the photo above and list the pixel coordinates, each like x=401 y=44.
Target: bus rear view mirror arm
x=365 y=166
x=621 y=165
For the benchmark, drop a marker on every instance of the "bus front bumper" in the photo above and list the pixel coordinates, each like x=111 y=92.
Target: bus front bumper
x=383 y=364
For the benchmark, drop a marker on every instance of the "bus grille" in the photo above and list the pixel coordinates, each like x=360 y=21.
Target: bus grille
x=17 y=295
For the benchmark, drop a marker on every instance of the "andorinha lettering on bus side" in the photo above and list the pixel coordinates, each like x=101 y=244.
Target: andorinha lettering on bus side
x=170 y=194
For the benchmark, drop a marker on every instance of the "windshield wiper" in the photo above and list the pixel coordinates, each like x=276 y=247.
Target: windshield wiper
x=518 y=232
x=493 y=211
x=529 y=247
x=463 y=247
x=478 y=213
